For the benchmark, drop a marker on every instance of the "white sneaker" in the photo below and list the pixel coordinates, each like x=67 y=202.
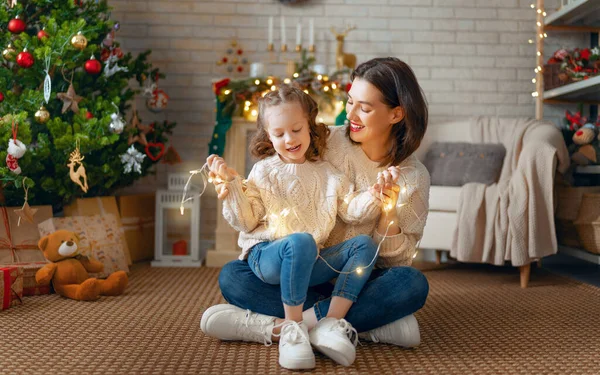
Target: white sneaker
x=336 y=339
x=295 y=352
x=229 y=322
x=402 y=332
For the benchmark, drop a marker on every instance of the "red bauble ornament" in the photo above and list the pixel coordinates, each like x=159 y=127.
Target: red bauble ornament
x=25 y=59
x=16 y=26
x=240 y=69
x=42 y=34
x=1 y=97
x=89 y=115
x=93 y=66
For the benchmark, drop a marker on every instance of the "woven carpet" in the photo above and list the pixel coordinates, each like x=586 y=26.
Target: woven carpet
x=477 y=320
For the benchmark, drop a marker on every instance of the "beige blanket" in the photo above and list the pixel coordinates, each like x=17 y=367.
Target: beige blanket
x=512 y=220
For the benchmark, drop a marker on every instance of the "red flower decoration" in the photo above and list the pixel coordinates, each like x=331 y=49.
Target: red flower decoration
x=585 y=54
x=217 y=86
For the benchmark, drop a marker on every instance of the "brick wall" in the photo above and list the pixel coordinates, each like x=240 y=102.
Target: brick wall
x=472 y=57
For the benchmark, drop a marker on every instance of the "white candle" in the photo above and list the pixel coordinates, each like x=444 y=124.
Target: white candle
x=311 y=34
x=271 y=30
x=299 y=34
x=282 y=30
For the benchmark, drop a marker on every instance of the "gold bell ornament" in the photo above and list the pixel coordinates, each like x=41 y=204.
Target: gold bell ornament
x=79 y=41
x=9 y=53
x=42 y=115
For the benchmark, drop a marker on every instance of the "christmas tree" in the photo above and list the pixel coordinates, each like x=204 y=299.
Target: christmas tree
x=64 y=90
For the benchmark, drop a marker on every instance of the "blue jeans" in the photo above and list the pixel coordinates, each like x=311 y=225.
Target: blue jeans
x=388 y=295
x=292 y=263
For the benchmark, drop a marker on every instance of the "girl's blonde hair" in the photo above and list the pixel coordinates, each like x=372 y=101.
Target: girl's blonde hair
x=261 y=147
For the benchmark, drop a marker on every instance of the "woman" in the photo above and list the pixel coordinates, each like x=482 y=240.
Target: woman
x=388 y=118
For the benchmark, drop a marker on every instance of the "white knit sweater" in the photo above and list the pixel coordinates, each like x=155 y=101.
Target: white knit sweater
x=312 y=193
x=350 y=159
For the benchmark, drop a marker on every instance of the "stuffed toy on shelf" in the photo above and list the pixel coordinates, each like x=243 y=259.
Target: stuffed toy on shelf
x=68 y=270
x=585 y=146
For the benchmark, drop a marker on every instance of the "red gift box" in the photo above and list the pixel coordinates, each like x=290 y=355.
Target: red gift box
x=11 y=287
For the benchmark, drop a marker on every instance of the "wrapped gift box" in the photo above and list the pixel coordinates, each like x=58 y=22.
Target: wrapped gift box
x=137 y=216
x=11 y=287
x=99 y=206
x=100 y=238
x=18 y=246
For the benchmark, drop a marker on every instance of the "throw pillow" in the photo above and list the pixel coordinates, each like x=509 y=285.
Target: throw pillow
x=458 y=163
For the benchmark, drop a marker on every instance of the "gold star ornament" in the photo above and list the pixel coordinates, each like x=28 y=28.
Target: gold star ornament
x=26 y=213
x=70 y=100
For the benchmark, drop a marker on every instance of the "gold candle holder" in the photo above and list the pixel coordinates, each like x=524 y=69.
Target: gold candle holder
x=298 y=48
x=311 y=48
x=270 y=47
x=284 y=48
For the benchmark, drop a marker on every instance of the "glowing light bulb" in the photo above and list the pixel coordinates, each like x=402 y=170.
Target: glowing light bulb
x=319 y=77
x=227 y=92
x=287 y=81
x=359 y=270
x=247 y=103
x=273 y=88
x=532 y=6
x=210 y=180
x=388 y=207
x=333 y=86
x=181 y=209
x=544 y=14
x=545 y=35
x=269 y=81
x=254 y=112
x=257 y=82
x=534 y=80
x=326 y=88
x=306 y=91
x=403 y=190
x=539 y=11
x=530 y=41
x=296 y=75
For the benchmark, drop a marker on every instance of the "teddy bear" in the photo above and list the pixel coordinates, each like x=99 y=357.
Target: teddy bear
x=68 y=270
x=584 y=152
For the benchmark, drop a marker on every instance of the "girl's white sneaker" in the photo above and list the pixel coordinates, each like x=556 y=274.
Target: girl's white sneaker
x=295 y=352
x=336 y=339
x=402 y=332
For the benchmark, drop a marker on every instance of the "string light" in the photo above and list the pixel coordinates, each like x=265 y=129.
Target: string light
x=275 y=223
x=269 y=81
x=257 y=82
x=226 y=92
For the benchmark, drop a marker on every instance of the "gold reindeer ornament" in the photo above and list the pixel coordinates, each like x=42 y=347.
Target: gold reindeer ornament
x=76 y=175
x=343 y=59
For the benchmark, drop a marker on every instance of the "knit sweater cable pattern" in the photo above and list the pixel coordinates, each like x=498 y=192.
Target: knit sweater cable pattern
x=396 y=250
x=284 y=198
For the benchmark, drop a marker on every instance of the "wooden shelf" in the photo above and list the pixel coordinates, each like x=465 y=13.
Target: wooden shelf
x=588 y=169
x=579 y=254
x=586 y=90
x=578 y=13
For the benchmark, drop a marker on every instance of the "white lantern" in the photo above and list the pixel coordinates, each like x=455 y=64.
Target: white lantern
x=177 y=235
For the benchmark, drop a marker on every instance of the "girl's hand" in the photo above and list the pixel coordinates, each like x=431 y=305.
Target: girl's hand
x=219 y=169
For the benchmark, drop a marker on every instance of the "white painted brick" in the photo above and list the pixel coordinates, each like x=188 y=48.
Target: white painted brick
x=441 y=110
x=433 y=36
x=345 y=11
x=436 y=85
x=233 y=20
x=192 y=44
x=516 y=38
x=454 y=25
x=389 y=36
x=410 y=2
x=166 y=55
x=259 y=9
x=452 y=73
x=213 y=8
x=170 y=6
x=497 y=3
x=515 y=62
x=365 y=23
x=455 y=49
x=411 y=48
x=303 y=11
x=146 y=18
x=214 y=32
x=190 y=19
x=133 y=30
x=454 y=3
x=475 y=13
x=145 y=43
x=129 y=6
x=517 y=14
x=495 y=73
x=457 y=97
x=479 y=37
x=526 y=73
x=516 y=111
x=408 y=24
x=516 y=86
x=431 y=61
x=386 y=12
x=421 y=73
x=474 y=62
x=501 y=26
x=432 y=13
x=171 y=31
x=492 y=50
x=367 y=47
x=475 y=86
x=495 y=98
x=475 y=110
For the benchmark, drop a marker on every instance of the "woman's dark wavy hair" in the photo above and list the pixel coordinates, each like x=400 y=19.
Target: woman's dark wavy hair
x=399 y=87
x=261 y=147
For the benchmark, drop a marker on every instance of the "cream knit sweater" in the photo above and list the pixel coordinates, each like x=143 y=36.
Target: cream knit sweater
x=283 y=198
x=396 y=250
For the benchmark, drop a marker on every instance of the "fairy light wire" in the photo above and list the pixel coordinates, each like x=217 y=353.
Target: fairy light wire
x=270 y=222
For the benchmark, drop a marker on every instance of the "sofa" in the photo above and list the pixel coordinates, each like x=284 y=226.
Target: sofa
x=535 y=150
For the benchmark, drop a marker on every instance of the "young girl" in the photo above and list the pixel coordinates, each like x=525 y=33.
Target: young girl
x=286 y=212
